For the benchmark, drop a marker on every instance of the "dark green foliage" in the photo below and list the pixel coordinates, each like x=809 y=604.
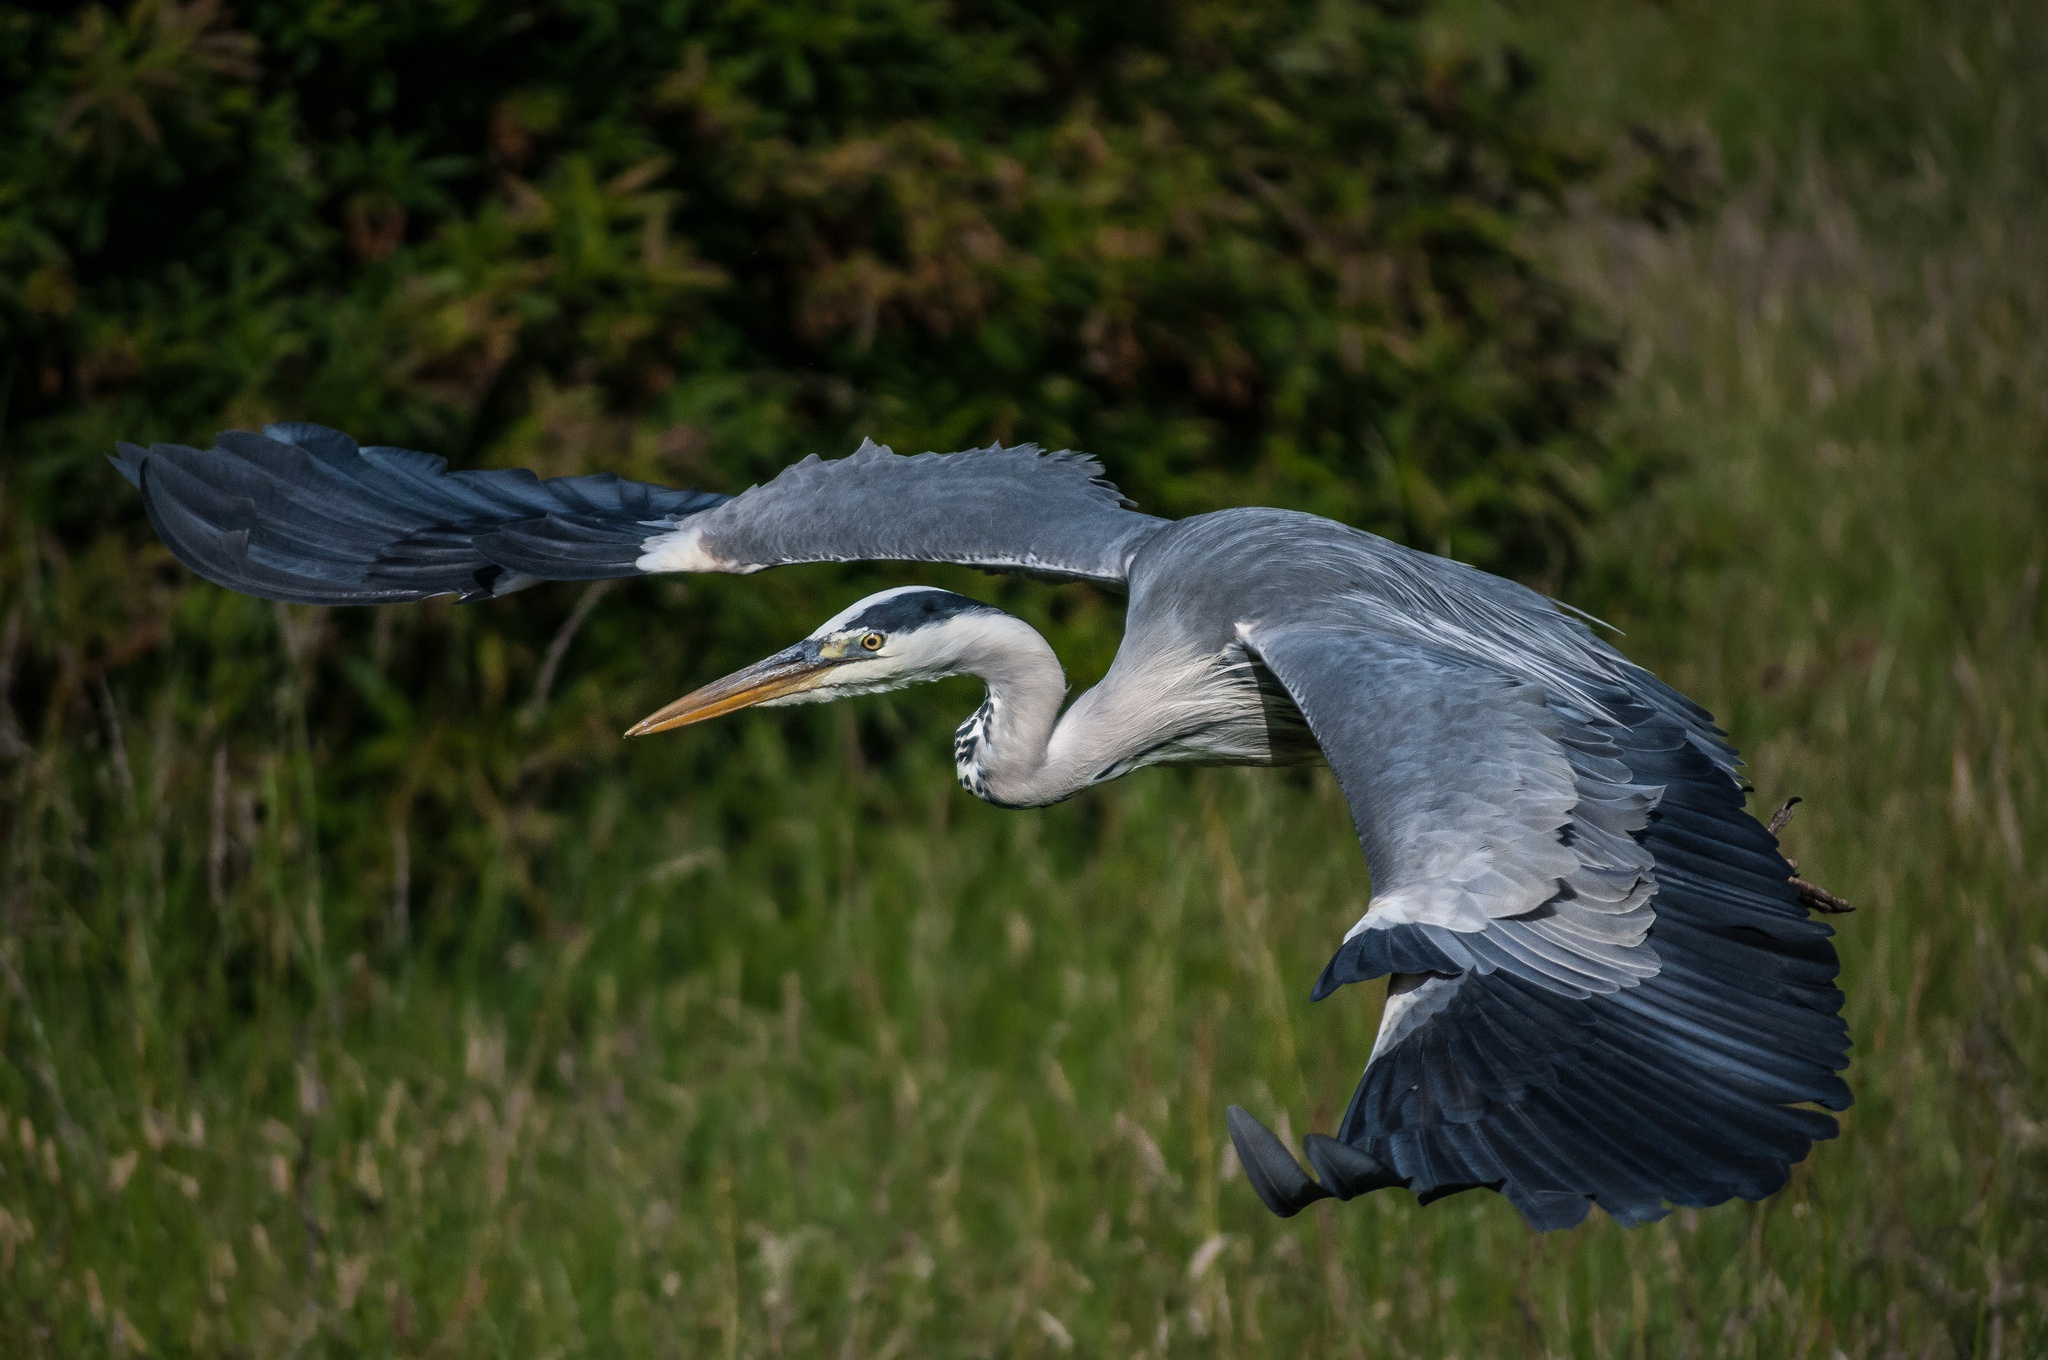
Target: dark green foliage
x=1241 y=251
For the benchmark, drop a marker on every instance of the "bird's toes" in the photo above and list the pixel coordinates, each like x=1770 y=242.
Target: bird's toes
x=1270 y=1167
x=1346 y=1170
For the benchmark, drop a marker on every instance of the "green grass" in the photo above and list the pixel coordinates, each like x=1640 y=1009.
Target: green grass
x=858 y=1066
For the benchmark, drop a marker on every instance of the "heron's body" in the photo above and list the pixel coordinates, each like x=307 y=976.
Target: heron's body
x=1182 y=689
x=1602 y=985
x=1185 y=687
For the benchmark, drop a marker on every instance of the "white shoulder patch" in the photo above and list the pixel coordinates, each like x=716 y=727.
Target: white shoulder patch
x=682 y=549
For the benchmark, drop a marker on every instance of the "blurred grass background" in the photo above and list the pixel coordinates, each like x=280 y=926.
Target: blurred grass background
x=349 y=1011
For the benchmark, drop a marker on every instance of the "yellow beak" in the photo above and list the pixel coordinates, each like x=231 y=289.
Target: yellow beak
x=787 y=672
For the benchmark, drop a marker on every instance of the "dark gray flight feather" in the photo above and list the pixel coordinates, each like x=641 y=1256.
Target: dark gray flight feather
x=302 y=513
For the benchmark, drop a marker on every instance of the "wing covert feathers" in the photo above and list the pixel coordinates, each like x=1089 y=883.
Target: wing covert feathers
x=1604 y=988
x=1007 y=509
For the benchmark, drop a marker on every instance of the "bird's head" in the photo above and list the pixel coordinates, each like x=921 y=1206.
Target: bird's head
x=886 y=641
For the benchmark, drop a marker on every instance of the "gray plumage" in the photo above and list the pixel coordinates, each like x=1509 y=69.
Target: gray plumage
x=1014 y=509
x=1603 y=988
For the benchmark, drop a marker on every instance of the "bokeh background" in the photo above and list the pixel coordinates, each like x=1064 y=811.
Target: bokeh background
x=361 y=992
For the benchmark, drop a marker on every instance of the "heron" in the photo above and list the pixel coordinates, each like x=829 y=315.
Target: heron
x=1603 y=986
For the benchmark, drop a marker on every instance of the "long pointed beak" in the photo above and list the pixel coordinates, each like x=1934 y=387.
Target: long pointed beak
x=788 y=672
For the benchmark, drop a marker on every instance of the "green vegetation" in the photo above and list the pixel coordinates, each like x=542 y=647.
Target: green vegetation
x=359 y=992
x=1255 y=247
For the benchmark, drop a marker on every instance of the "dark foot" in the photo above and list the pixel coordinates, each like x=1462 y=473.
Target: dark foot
x=1270 y=1167
x=1347 y=1171
x=1816 y=898
x=1783 y=814
x=1287 y=1189
x=1811 y=895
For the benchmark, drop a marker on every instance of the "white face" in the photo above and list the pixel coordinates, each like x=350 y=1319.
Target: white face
x=888 y=640
x=876 y=648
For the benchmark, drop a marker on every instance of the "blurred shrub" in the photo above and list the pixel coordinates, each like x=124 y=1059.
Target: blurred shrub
x=1243 y=251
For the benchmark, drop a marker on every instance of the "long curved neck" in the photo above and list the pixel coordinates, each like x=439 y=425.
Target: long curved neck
x=1006 y=752
x=1167 y=698
x=1162 y=701
x=1018 y=748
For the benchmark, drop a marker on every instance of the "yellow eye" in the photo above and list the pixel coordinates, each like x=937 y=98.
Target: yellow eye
x=872 y=642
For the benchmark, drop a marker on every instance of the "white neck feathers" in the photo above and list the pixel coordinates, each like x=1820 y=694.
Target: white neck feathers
x=1000 y=751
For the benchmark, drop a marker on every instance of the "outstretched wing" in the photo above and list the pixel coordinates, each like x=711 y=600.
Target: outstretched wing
x=302 y=513
x=1604 y=989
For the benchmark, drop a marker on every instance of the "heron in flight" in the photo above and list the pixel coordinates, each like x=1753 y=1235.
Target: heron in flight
x=1602 y=984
